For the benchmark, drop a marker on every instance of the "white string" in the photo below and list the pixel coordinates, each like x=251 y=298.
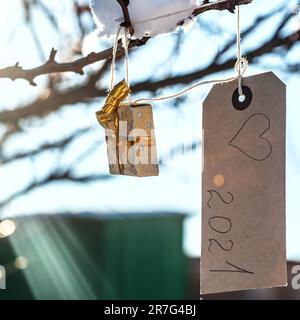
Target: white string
x=181 y=93
x=126 y=41
x=241 y=62
x=240 y=67
x=113 y=63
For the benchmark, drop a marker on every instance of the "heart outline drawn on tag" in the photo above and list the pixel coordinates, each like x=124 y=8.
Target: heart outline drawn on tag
x=260 y=136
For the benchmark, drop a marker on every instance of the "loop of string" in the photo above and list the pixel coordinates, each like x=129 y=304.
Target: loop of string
x=240 y=67
x=241 y=63
x=113 y=62
x=125 y=42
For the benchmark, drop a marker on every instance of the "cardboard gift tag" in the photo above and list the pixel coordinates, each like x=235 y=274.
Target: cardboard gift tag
x=132 y=149
x=243 y=186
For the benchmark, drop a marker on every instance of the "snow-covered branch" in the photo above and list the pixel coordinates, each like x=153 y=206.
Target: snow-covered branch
x=77 y=66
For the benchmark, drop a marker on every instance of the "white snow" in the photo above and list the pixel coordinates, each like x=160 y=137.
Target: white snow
x=149 y=18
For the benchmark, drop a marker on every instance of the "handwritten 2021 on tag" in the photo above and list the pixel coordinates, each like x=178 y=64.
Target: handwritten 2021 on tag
x=243 y=186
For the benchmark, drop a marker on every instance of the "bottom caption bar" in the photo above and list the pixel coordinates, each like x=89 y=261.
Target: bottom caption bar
x=140 y=311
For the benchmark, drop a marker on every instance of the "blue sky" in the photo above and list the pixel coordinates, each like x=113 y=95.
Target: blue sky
x=178 y=188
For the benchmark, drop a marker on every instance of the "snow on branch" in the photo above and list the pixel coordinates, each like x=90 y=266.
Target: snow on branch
x=52 y=66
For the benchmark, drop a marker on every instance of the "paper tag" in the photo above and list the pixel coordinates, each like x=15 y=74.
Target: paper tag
x=243 y=187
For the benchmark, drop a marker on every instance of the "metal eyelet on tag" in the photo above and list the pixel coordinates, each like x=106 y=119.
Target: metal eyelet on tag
x=242 y=105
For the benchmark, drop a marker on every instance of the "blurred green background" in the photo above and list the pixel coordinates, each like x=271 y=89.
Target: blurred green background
x=91 y=257
x=127 y=256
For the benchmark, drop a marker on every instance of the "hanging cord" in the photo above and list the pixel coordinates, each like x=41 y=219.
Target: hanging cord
x=241 y=63
x=126 y=40
x=240 y=67
x=183 y=92
x=113 y=62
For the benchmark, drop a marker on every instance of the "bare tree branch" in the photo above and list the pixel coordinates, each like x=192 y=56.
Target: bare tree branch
x=52 y=66
x=67 y=176
x=42 y=107
x=44 y=147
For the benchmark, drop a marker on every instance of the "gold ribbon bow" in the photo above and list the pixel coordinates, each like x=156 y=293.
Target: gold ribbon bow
x=107 y=116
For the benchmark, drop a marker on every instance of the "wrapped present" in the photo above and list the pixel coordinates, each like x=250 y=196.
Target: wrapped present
x=130 y=137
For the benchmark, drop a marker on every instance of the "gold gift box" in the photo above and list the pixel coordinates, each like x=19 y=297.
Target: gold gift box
x=130 y=138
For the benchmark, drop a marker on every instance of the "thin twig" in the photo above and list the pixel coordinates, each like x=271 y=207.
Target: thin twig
x=52 y=66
